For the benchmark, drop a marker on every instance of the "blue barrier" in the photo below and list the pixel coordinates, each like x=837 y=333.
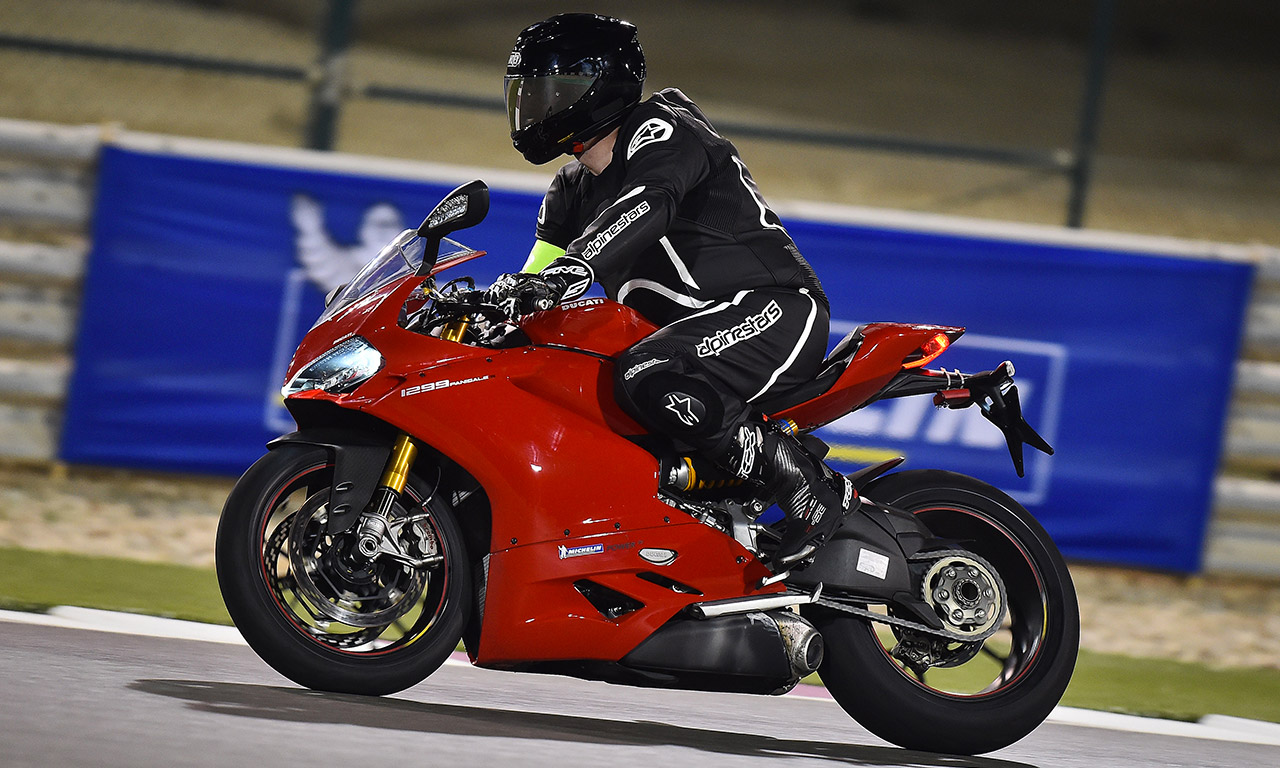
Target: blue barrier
x=204 y=273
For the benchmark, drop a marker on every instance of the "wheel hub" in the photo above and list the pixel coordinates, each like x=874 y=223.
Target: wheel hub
x=965 y=592
x=336 y=583
x=345 y=571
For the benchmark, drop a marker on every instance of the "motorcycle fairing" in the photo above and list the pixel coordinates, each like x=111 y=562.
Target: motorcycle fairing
x=571 y=499
x=543 y=613
x=539 y=430
x=876 y=360
x=738 y=653
x=592 y=325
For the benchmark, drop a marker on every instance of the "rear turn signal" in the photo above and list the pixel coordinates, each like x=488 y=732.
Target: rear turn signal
x=928 y=351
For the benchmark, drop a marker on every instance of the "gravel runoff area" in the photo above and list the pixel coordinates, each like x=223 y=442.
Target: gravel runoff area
x=1211 y=620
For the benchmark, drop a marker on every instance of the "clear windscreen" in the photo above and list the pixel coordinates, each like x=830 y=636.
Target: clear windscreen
x=399 y=259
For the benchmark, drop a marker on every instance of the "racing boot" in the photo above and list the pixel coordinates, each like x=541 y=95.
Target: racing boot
x=814 y=499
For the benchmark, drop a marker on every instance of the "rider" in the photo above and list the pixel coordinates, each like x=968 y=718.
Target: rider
x=660 y=210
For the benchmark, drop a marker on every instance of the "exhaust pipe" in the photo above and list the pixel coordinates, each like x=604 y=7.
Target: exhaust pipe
x=802 y=642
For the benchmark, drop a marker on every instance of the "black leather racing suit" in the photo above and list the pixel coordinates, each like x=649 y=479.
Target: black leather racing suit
x=676 y=229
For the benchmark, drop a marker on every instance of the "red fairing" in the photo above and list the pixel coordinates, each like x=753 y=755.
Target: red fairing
x=571 y=496
x=879 y=359
x=539 y=429
x=593 y=325
x=539 y=615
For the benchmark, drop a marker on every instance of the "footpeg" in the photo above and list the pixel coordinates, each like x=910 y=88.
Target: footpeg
x=808 y=550
x=774 y=579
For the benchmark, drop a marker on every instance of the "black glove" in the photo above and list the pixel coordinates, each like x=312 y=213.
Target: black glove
x=521 y=293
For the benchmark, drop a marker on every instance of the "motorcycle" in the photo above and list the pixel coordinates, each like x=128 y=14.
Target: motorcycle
x=461 y=475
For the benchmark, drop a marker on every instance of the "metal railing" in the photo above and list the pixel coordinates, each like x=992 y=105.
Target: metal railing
x=329 y=87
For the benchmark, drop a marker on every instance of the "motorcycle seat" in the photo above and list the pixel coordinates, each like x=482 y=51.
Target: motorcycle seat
x=828 y=372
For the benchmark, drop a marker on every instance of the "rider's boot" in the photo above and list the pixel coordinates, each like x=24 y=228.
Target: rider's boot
x=814 y=498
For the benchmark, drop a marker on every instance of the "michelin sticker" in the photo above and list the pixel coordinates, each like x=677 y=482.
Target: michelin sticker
x=585 y=549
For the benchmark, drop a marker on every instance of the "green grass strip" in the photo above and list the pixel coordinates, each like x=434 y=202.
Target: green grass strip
x=1172 y=689
x=32 y=580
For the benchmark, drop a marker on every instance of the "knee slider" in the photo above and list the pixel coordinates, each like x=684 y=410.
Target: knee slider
x=678 y=405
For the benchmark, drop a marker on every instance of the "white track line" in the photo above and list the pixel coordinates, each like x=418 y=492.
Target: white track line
x=1212 y=727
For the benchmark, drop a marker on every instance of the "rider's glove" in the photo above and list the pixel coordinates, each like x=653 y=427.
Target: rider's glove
x=521 y=293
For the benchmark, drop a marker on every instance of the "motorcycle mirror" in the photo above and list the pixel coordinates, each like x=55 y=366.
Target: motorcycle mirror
x=464 y=207
x=331 y=295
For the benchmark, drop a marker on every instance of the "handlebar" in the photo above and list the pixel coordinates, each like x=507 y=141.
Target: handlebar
x=469 y=302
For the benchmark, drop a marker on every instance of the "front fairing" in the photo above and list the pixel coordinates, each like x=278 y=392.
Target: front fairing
x=370 y=304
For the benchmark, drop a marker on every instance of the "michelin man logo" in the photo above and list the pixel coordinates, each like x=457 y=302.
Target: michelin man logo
x=329 y=264
x=652 y=131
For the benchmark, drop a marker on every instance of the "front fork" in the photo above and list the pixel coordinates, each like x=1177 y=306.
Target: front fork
x=376 y=520
x=455 y=330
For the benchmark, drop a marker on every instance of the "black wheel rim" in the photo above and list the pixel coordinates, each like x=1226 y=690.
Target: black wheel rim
x=406 y=625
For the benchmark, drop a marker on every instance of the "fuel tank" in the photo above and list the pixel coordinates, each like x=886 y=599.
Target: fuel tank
x=598 y=326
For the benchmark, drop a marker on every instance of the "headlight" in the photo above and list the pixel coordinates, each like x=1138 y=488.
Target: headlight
x=339 y=370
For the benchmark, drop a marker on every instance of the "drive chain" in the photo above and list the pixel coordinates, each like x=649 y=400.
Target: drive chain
x=916 y=626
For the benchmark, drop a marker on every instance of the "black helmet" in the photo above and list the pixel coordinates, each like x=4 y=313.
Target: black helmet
x=569 y=79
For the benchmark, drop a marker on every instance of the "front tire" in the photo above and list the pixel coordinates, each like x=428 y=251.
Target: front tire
x=994 y=694
x=397 y=624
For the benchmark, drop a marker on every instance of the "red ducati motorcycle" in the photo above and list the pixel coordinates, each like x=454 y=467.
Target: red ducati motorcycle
x=461 y=476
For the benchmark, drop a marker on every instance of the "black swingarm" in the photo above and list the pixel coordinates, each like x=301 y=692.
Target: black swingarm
x=870 y=557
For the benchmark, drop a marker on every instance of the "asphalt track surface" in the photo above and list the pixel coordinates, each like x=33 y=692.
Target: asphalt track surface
x=75 y=697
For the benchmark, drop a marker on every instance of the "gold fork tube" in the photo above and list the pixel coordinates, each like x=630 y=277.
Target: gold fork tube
x=397 y=472
x=455 y=330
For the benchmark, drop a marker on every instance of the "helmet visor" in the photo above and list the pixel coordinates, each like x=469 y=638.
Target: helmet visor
x=531 y=99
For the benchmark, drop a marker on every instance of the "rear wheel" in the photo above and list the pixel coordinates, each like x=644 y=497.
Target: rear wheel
x=921 y=692
x=315 y=610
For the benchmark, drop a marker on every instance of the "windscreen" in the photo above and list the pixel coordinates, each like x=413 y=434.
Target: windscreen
x=400 y=258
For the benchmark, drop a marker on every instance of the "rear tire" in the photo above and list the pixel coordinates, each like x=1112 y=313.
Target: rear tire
x=274 y=615
x=1043 y=629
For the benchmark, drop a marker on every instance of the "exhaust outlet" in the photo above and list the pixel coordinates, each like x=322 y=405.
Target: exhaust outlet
x=802 y=642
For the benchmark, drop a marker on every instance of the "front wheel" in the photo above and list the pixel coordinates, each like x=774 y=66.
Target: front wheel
x=312 y=607
x=955 y=697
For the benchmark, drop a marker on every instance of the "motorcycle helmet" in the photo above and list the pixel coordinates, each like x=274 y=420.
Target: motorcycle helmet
x=571 y=78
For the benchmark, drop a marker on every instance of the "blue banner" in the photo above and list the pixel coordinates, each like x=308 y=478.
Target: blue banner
x=205 y=273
